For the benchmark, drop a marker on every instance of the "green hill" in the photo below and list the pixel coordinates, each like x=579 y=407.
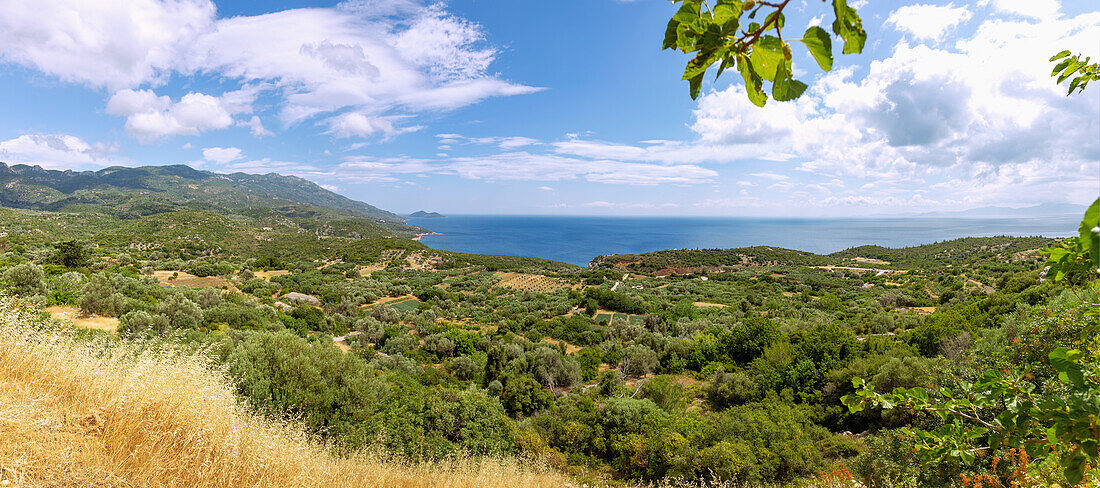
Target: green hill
x=181 y=207
x=146 y=190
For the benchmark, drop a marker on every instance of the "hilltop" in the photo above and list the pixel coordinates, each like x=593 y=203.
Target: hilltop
x=420 y=214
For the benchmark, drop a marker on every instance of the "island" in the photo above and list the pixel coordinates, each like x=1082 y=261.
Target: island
x=420 y=214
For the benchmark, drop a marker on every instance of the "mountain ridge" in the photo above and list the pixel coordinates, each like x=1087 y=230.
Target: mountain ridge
x=120 y=189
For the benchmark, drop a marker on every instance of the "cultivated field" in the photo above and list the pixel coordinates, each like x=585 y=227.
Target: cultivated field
x=529 y=282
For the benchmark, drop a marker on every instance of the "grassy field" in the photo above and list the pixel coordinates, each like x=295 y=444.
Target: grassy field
x=191 y=281
x=73 y=315
x=73 y=414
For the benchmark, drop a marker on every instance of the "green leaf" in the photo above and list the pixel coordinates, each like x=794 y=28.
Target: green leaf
x=1060 y=55
x=779 y=20
x=849 y=27
x=695 y=84
x=1074 y=467
x=697 y=66
x=685 y=38
x=752 y=82
x=1060 y=66
x=767 y=55
x=688 y=12
x=786 y=88
x=820 y=45
x=724 y=13
x=670 y=35
x=1091 y=220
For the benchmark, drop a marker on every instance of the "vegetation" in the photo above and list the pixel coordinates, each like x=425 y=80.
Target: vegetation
x=731 y=367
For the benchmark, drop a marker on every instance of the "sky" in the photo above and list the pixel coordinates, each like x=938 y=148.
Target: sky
x=566 y=107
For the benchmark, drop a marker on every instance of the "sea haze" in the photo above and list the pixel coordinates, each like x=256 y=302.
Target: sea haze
x=577 y=240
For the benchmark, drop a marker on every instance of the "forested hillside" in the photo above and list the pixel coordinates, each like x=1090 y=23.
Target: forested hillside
x=147 y=190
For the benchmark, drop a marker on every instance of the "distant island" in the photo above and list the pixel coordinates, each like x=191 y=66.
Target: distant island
x=420 y=214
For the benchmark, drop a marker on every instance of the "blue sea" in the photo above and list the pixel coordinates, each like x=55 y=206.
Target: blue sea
x=577 y=240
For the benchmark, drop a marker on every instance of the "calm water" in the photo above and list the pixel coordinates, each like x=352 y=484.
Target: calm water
x=577 y=240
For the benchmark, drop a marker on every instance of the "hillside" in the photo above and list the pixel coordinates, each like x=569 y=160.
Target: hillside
x=174 y=207
x=954 y=252
x=146 y=190
x=72 y=414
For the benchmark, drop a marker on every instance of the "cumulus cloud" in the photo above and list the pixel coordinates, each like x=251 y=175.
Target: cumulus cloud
x=150 y=117
x=53 y=151
x=355 y=124
x=928 y=21
x=965 y=124
x=222 y=155
x=108 y=44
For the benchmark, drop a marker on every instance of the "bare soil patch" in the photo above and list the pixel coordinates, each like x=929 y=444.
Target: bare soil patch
x=709 y=304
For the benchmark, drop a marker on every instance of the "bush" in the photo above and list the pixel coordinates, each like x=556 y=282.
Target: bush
x=26 y=279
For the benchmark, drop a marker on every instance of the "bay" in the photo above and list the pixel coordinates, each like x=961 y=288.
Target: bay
x=576 y=239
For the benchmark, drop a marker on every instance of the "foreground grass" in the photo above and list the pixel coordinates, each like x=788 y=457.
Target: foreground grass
x=97 y=414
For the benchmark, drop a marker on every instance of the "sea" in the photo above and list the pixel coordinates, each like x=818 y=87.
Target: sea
x=576 y=239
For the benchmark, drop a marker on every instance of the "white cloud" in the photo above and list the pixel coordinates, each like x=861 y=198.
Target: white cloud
x=1036 y=9
x=545 y=188
x=630 y=206
x=354 y=124
x=524 y=166
x=115 y=44
x=928 y=21
x=222 y=155
x=325 y=60
x=150 y=117
x=380 y=59
x=978 y=122
x=255 y=127
x=770 y=176
x=53 y=151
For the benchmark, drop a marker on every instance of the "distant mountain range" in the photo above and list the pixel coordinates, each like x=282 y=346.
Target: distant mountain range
x=146 y=190
x=169 y=205
x=1041 y=210
x=420 y=214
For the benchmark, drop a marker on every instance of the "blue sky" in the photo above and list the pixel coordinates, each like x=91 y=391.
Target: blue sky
x=565 y=107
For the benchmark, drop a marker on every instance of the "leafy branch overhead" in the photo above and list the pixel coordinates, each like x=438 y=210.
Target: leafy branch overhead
x=1071 y=66
x=729 y=34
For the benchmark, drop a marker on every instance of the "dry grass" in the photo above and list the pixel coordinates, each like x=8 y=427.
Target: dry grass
x=100 y=414
x=266 y=275
x=191 y=281
x=71 y=314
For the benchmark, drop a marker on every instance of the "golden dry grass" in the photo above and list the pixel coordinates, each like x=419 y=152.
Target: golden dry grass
x=266 y=275
x=110 y=415
x=191 y=281
x=73 y=315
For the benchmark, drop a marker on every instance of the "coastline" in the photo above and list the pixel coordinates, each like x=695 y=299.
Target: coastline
x=422 y=234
